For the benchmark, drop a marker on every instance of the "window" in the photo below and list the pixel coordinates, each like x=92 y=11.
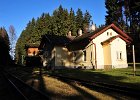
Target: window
x=107 y=33
x=84 y=55
x=34 y=53
x=110 y=33
x=119 y=55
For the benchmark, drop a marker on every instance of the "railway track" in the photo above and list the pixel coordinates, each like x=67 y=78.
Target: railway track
x=22 y=90
x=126 y=91
x=103 y=87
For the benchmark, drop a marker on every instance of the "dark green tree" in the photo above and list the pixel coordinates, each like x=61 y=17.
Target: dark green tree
x=20 y=47
x=79 y=19
x=134 y=10
x=47 y=24
x=115 y=13
x=86 y=21
x=5 y=58
x=40 y=25
x=60 y=21
x=72 y=23
x=4 y=35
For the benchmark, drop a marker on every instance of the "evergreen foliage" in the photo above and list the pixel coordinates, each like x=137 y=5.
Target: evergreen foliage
x=5 y=58
x=5 y=37
x=114 y=12
x=86 y=20
x=59 y=23
x=79 y=19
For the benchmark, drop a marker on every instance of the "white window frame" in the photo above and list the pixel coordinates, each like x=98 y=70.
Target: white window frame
x=119 y=55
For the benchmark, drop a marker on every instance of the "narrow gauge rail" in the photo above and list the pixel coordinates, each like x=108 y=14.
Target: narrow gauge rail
x=8 y=91
x=24 y=91
x=127 y=91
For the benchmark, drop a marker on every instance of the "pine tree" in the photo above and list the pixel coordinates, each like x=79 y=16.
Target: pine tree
x=72 y=23
x=40 y=26
x=4 y=35
x=47 y=23
x=5 y=58
x=134 y=10
x=60 y=21
x=79 y=19
x=86 y=21
x=114 y=11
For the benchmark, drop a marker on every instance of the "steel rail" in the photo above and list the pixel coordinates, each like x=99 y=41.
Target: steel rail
x=22 y=87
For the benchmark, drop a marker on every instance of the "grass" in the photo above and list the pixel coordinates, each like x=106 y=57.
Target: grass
x=124 y=76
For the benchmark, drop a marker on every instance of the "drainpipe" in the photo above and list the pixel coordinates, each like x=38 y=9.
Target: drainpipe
x=95 y=55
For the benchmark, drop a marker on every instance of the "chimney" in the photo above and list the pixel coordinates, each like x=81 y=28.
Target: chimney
x=79 y=32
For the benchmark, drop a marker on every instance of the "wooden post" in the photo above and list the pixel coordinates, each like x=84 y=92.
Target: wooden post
x=134 y=64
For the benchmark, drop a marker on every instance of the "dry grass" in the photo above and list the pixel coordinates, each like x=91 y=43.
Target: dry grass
x=58 y=87
x=62 y=90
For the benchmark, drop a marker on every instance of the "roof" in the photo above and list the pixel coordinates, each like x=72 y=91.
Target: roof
x=113 y=38
x=81 y=42
x=99 y=31
x=119 y=31
x=87 y=37
x=32 y=45
x=54 y=40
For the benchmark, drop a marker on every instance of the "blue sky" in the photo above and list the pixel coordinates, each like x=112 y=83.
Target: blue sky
x=19 y=12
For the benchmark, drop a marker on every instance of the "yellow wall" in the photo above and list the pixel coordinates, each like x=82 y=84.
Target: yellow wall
x=65 y=58
x=90 y=59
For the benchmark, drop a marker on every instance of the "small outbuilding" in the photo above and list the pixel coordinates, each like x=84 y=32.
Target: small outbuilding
x=32 y=57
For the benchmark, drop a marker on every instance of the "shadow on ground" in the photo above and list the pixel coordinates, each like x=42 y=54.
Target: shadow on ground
x=37 y=81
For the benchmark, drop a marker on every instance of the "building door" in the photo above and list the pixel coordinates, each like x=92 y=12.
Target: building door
x=107 y=57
